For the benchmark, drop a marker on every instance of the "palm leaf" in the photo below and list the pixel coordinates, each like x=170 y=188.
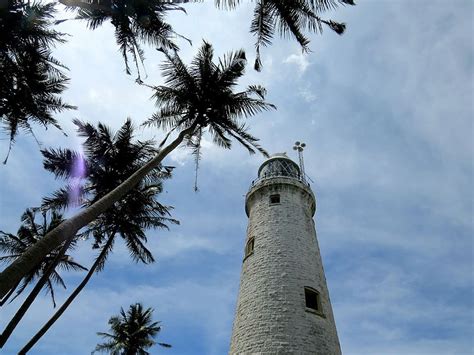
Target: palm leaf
x=288 y=19
x=32 y=79
x=30 y=232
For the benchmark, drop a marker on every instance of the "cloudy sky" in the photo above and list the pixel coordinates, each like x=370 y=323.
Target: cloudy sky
x=386 y=113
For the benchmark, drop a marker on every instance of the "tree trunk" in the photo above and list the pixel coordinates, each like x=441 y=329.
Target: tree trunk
x=71 y=298
x=67 y=229
x=19 y=314
x=9 y=294
x=32 y=296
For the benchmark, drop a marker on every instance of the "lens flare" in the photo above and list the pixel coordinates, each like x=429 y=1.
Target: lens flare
x=78 y=173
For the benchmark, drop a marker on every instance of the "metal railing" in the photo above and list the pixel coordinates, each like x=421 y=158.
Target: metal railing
x=278 y=175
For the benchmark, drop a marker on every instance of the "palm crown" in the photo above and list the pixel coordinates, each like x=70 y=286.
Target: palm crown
x=28 y=234
x=202 y=96
x=131 y=333
x=135 y=22
x=32 y=79
x=289 y=19
x=108 y=160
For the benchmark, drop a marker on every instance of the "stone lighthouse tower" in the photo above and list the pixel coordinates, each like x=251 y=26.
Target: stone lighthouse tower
x=283 y=305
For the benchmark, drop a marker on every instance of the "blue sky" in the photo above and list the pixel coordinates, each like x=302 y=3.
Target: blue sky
x=386 y=113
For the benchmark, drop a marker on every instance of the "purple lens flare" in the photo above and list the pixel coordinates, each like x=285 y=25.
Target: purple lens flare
x=78 y=173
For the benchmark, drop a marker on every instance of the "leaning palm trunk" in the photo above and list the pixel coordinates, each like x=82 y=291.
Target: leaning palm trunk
x=32 y=296
x=68 y=229
x=19 y=314
x=9 y=294
x=71 y=298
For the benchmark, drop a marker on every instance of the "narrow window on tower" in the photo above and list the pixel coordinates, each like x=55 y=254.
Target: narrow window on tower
x=274 y=199
x=249 y=247
x=313 y=300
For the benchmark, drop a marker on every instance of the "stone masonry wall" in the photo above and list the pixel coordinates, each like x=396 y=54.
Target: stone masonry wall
x=271 y=316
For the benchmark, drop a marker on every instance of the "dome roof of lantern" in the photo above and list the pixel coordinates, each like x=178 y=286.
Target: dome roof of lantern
x=279 y=165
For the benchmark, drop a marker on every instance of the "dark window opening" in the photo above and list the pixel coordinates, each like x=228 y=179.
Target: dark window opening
x=249 y=247
x=274 y=199
x=313 y=300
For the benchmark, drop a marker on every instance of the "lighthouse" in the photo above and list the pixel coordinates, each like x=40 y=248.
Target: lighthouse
x=283 y=305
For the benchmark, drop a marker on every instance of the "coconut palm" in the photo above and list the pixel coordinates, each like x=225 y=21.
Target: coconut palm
x=289 y=19
x=201 y=97
x=12 y=246
x=32 y=79
x=108 y=159
x=131 y=333
x=135 y=22
x=194 y=100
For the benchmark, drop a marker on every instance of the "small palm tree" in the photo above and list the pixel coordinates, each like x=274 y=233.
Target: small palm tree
x=131 y=333
x=135 y=22
x=288 y=18
x=196 y=99
x=108 y=159
x=32 y=79
x=12 y=246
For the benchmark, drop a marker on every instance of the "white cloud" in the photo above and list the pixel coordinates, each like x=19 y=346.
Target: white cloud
x=171 y=245
x=180 y=156
x=300 y=60
x=307 y=93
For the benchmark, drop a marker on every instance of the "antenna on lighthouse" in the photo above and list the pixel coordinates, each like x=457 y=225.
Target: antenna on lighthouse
x=300 y=147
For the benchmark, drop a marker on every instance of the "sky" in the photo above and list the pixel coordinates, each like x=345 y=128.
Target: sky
x=386 y=113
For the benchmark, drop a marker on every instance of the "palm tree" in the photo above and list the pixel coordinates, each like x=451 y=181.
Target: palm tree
x=201 y=97
x=131 y=333
x=195 y=99
x=289 y=19
x=12 y=246
x=32 y=79
x=107 y=161
x=135 y=21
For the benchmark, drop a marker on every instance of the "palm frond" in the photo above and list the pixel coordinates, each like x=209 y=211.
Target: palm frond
x=32 y=79
x=262 y=27
x=104 y=253
x=287 y=19
x=219 y=137
x=136 y=22
x=131 y=332
x=202 y=96
x=62 y=162
x=29 y=233
x=70 y=195
x=326 y=5
x=195 y=144
x=231 y=67
x=137 y=250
